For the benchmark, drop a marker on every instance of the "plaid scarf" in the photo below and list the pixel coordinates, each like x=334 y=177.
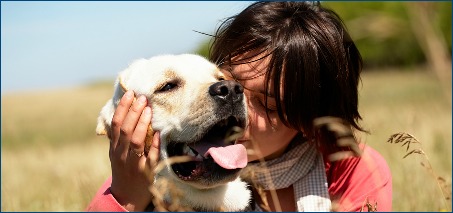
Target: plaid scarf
x=301 y=166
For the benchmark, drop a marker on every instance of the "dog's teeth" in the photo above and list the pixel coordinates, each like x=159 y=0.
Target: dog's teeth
x=186 y=150
x=191 y=153
x=199 y=157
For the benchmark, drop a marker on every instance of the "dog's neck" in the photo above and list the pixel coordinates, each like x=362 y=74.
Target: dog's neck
x=232 y=197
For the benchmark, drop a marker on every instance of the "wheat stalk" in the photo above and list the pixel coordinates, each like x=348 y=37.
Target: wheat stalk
x=407 y=140
x=163 y=186
x=344 y=136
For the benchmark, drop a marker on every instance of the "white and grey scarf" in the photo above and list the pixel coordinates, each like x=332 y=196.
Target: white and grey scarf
x=303 y=167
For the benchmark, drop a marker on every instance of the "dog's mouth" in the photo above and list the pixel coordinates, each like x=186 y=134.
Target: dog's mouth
x=215 y=156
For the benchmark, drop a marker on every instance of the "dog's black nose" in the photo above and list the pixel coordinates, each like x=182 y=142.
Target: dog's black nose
x=227 y=91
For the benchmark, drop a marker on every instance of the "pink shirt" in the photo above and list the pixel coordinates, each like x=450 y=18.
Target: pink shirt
x=352 y=183
x=355 y=181
x=104 y=201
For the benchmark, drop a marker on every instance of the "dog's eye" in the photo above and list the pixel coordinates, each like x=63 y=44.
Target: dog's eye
x=168 y=87
x=221 y=78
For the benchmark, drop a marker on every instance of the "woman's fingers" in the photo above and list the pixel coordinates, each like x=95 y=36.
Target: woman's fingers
x=137 y=145
x=118 y=117
x=130 y=183
x=128 y=126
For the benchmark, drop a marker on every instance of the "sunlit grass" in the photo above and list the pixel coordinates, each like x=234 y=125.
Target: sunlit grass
x=52 y=117
x=53 y=161
x=410 y=102
x=45 y=178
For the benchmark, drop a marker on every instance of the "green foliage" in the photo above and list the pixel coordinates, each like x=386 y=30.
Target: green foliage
x=203 y=49
x=382 y=30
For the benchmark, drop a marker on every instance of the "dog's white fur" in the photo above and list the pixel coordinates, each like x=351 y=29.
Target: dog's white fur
x=181 y=114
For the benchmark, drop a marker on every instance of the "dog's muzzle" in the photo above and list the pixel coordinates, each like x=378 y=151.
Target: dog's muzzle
x=215 y=157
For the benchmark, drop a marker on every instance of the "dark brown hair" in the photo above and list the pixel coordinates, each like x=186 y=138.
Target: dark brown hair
x=308 y=48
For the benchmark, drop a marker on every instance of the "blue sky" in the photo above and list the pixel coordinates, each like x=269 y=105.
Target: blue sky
x=48 y=45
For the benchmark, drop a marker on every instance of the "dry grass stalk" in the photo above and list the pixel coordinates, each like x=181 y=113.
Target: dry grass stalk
x=407 y=140
x=370 y=207
x=344 y=138
x=249 y=175
x=177 y=159
x=343 y=134
x=163 y=186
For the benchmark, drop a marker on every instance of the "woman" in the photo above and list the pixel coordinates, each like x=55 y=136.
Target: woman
x=297 y=63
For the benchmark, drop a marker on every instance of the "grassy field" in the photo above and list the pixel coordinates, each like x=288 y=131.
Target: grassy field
x=53 y=161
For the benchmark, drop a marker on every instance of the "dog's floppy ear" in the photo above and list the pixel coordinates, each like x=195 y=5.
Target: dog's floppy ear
x=101 y=128
x=105 y=116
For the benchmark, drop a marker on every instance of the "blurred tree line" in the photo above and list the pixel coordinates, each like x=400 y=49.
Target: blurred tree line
x=393 y=33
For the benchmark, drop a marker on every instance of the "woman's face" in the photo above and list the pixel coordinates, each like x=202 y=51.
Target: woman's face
x=265 y=139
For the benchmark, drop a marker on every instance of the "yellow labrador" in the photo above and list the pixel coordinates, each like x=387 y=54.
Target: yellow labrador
x=194 y=109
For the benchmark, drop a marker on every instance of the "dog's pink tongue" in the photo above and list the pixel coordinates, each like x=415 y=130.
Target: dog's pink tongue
x=229 y=157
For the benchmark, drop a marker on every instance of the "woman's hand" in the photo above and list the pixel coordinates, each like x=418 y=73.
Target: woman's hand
x=130 y=183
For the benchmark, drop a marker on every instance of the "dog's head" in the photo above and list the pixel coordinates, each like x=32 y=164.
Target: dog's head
x=197 y=112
